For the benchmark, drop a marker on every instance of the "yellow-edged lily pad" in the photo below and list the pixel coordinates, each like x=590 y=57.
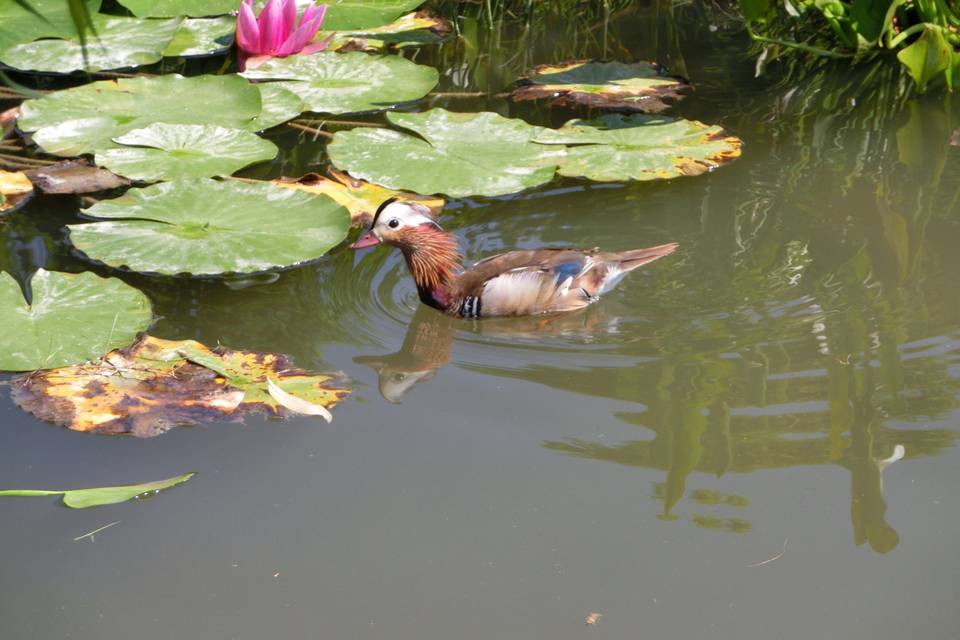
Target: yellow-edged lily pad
x=15 y=189
x=414 y=29
x=154 y=385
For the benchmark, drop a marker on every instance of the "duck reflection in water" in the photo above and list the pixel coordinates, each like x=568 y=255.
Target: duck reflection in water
x=428 y=343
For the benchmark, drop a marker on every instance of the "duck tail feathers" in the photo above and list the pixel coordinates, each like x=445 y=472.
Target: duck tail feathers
x=634 y=258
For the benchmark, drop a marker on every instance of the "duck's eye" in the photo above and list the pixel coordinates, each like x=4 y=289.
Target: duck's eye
x=394 y=223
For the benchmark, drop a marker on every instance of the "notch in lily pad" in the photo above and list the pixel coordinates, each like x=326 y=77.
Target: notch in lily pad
x=639 y=86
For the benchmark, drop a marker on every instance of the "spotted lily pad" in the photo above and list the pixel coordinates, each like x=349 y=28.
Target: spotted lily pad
x=359 y=197
x=639 y=147
x=331 y=82
x=15 y=189
x=72 y=318
x=120 y=43
x=47 y=19
x=206 y=227
x=642 y=86
x=176 y=151
x=202 y=37
x=458 y=154
x=172 y=8
x=154 y=385
x=87 y=118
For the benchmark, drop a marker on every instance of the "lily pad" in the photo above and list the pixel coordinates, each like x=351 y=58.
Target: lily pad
x=351 y=15
x=87 y=118
x=413 y=29
x=458 y=154
x=362 y=199
x=615 y=147
x=172 y=8
x=278 y=106
x=642 y=86
x=206 y=227
x=49 y=19
x=178 y=151
x=120 y=43
x=99 y=496
x=72 y=318
x=74 y=176
x=15 y=189
x=202 y=37
x=330 y=82
x=155 y=384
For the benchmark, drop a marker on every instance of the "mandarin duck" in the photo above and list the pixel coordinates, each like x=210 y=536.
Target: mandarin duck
x=517 y=283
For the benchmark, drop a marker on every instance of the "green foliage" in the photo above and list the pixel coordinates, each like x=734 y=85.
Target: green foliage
x=71 y=318
x=100 y=496
x=924 y=34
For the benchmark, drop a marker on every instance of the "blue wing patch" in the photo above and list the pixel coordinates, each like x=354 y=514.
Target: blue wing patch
x=566 y=270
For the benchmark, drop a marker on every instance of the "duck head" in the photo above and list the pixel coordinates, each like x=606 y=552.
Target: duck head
x=398 y=223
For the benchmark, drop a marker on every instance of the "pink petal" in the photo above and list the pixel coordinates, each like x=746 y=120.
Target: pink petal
x=271 y=27
x=314 y=13
x=318 y=46
x=289 y=16
x=248 y=32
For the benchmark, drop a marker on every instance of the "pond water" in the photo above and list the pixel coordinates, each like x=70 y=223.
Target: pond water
x=703 y=454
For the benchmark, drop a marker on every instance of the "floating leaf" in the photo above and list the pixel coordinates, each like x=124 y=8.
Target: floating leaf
x=179 y=151
x=73 y=317
x=295 y=404
x=74 y=176
x=206 y=227
x=359 y=197
x=278 y=106
x=26 y=20
x=928 y=56
x=84 y=498
x=348 y=82
x=351 y=15
x=460 y=154
x=171 y=8
x=413 y=29
x=120 y=43
x=85 y=119
x=15 y=189
x=614 y=147
x=202 y=37
x=155 y=384
x=642 y=86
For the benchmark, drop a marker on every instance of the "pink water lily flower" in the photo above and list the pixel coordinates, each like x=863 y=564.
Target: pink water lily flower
x=276 y=33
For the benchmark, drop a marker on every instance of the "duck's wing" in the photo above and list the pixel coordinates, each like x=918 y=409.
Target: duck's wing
x=546 y=280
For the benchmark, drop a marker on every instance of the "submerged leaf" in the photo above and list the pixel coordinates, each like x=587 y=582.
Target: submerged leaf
x=72 y=318
x=120 y=43
x=99 y=496
x=15 y=189
x=362 y=199
x=202 y=37
x=458 y=154
x=614 y=147
x=330 y=82
x=85 y=119
x=179 y=151
x=206 y=227
x=642 y=86
x=74 y=176
x=155 y=384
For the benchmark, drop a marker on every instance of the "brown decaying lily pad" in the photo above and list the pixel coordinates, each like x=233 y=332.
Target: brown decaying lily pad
x=640 y=86
x=75 y=176
x=15 y=189
x=360 y=198
x=154 y=385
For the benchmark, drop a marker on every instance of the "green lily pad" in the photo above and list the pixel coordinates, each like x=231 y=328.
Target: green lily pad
x=641 y=86
x=120 y=43
x=202 y=37
x=206 y=227
x=99 y=496
x=330 y=82
x=350 y=15
x=459 y=154
x=615 y=147
x=171 y=8
x=411 y=30
x=87 y=118
x=278 y=106
x=177 y=151
x=50 y=19
x=73 y=318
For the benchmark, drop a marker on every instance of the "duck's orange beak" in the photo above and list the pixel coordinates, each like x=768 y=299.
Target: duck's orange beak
x=368 y=239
